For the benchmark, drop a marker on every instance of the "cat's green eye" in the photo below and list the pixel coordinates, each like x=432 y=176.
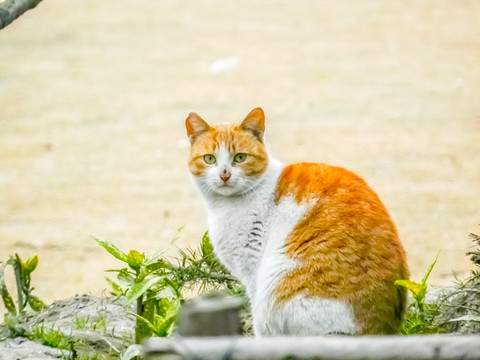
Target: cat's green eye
x=240 y=157
x=209 y=159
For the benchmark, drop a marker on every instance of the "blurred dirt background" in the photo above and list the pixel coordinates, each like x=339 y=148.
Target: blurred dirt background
x=93 y=97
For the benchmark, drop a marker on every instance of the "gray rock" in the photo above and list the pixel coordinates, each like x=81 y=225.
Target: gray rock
x=21 y=348
x=92 y=325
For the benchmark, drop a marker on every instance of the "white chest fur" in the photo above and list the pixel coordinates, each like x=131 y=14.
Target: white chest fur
x=240 y=226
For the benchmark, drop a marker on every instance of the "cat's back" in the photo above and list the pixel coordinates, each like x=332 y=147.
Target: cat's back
x=310 y=181
x=331 y=192
x=345 y=244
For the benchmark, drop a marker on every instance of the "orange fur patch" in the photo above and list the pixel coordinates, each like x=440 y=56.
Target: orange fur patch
x=347 y=245
x=235 y=140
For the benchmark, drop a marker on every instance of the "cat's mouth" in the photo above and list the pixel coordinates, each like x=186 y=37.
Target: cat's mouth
x=226 y=189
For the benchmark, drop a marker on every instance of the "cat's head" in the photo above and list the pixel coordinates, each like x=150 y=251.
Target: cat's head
x=227 y=159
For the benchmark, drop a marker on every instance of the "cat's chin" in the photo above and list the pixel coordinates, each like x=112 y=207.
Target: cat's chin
x=227 y=190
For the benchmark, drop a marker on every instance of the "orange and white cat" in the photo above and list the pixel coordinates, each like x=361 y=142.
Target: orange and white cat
x=312 y=243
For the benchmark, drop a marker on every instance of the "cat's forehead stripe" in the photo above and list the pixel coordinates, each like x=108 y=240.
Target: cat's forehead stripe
x=222 y=134
x=232 y=137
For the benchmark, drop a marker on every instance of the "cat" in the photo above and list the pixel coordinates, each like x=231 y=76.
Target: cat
x=313 y=244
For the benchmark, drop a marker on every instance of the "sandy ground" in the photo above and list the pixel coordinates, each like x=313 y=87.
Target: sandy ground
x=93 y=97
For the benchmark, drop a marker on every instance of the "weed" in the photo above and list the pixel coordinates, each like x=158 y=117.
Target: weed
x=27 y=303
x=153 y=292
x=25 y=298
x=99 y=324
x=460 y=309
x=420 y=317
x=50 y=337
x=81 y=322
x=454 y=311
x=156 y=284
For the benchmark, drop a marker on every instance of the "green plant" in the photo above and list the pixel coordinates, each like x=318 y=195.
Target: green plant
x=25 y=298
x=201 y=269
x=453 y=309
x=418 y=290
x=420 y=317
x=50 y=337
x=27 y=303
x=99 y=324
x=141 y=283
x=156 y=284
x=460 y=309
x=81 y=322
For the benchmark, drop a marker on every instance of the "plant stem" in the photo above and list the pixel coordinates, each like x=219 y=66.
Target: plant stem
x=138 y=335
x=19 y=280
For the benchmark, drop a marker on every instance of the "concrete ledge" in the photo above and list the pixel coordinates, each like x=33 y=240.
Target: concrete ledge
x=442 y=347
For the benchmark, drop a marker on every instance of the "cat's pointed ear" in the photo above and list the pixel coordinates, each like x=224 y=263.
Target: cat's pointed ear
x=255 y=123
x=195 y=126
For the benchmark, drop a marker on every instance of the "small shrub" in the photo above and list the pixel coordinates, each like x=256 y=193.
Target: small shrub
x=158 y=285
x=455 y=310
x=460 y=309
x=27 y=303
x=420 y=317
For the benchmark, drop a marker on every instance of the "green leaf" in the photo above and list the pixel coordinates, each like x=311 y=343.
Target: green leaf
x=31 y=264
x=145 y=322
x=7 y=299
x=162 y=326
x=418 y=290
x=117 y=290
x=425 y=278
x=35 y=303
x=167 y=292
x=206 y=245
x=135 y=259
x=113 y=250
x=138 y=289
x=167 y=307
x=12 y=261
x=414 y=287
x=175 y=286
x=163 y=321
x=157 y=265
x=125 y=277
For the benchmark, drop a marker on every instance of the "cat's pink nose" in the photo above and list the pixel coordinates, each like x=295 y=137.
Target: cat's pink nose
x=225 y=176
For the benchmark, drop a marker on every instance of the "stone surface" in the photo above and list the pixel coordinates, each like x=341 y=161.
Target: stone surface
x=92 y=324
x=211 y=315
x=21 y=348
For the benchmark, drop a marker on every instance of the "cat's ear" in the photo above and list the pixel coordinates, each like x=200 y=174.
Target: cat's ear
x=255 y=123
x=195 y=126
